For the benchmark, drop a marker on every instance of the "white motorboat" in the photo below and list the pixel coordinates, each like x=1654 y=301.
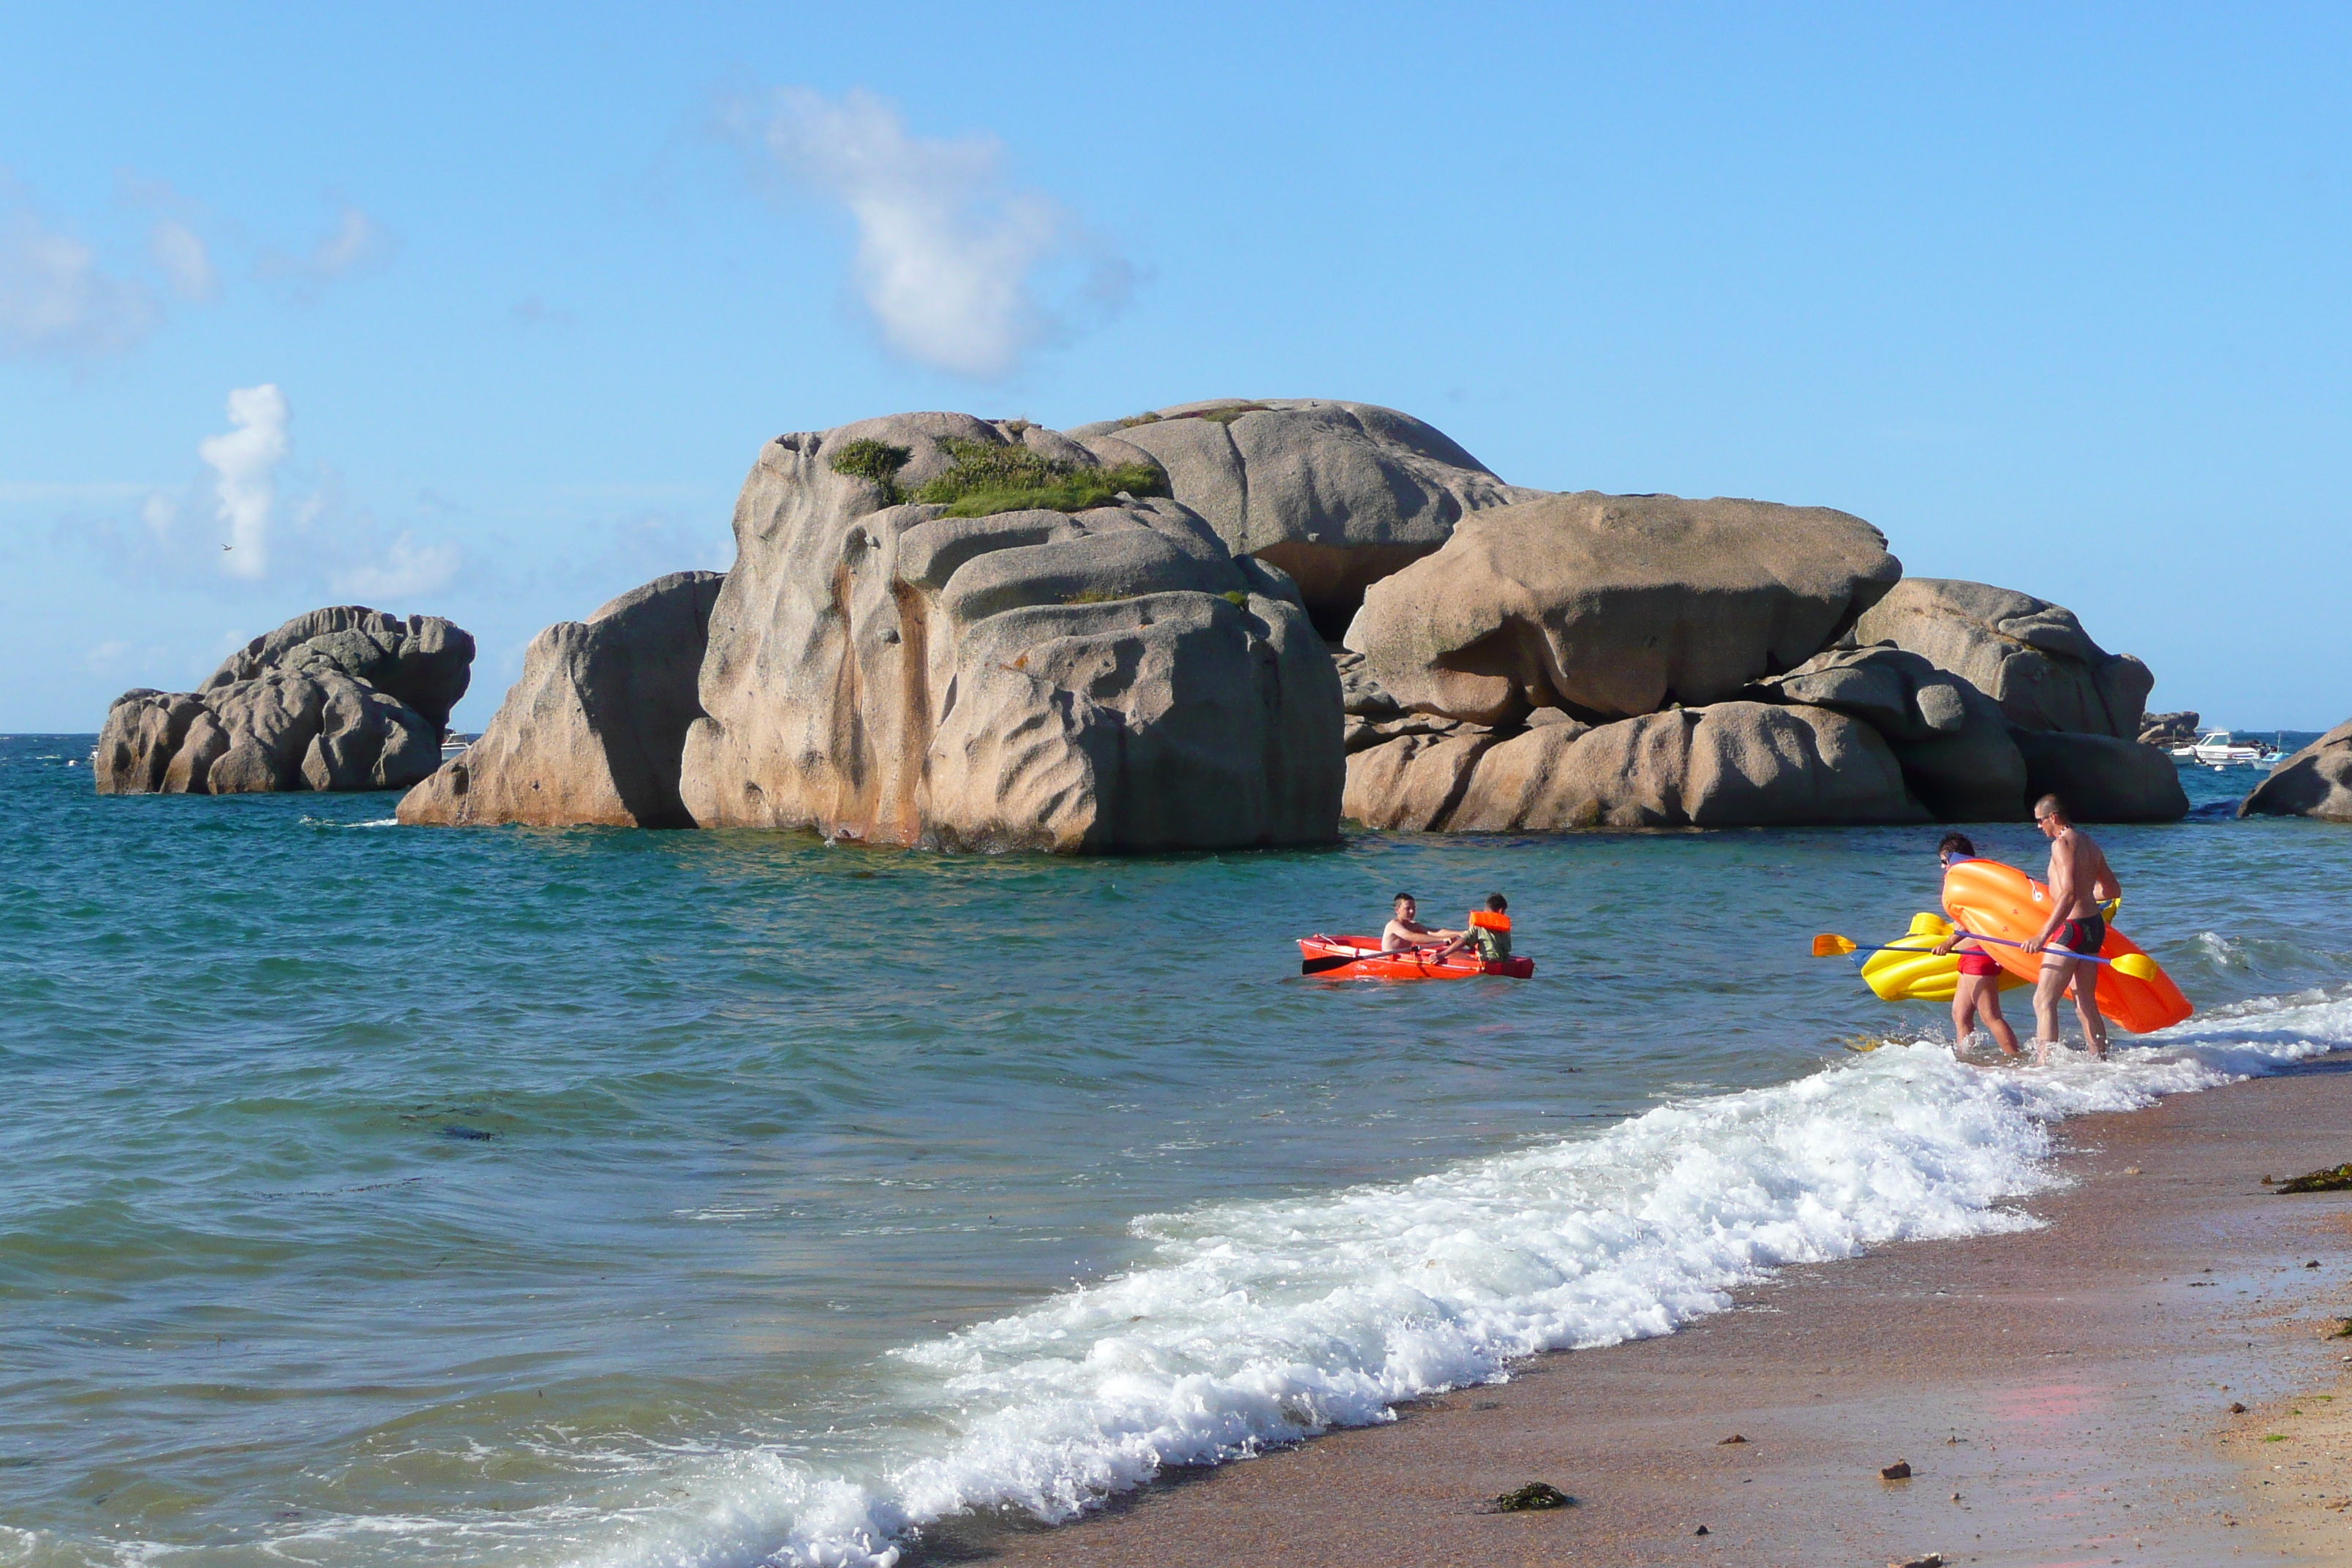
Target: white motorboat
x=2221 y=749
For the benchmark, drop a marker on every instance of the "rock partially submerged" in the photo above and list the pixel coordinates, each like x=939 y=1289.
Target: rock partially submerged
x=2315 y=782
x=1733 y=764
x=1111 y=678
x=2101 y=778
x=327 y=701
x=594 y=732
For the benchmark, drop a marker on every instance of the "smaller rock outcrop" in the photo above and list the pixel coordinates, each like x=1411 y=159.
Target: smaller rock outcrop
x=1733 y=764
x=331 y=701
x=2102 y=778
x=1336 y=494
x=594 y=732
x=1952 y=740
x=1612 y=606
x=2029 y=655
x=2168 y=729
x=2315 y=782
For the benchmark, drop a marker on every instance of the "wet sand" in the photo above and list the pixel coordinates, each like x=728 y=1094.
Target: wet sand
x=2061 y=1395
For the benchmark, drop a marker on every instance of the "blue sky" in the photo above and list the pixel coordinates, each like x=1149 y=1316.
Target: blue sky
x=2056 y=297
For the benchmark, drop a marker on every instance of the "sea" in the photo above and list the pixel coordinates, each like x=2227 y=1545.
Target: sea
x=376 y=1197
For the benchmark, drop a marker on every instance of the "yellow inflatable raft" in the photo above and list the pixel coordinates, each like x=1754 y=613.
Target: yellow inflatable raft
x=1904 y=971
x=1908 y=971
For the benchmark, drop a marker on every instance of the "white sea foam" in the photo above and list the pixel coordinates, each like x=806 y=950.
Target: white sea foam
x=1263 y=1322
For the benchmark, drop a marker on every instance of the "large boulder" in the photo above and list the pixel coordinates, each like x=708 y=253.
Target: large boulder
x=2315 y=782
x=1111 y=677
x=2027 y=654
x=1337 y=495
x=422 y=660
x=299 y=709
x=2102 y=778
x=2170 y=730
x=594 y=730
x=1613 y=607
x=1951 y=740
x=1734 y=765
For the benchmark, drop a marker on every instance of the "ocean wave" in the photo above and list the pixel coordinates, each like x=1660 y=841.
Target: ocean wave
x=1264 y=1323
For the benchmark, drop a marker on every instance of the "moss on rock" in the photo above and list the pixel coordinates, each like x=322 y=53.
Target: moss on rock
x=986 y=480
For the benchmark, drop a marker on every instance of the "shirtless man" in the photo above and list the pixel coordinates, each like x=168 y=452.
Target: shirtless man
x=2080 y=881
x=1406 y=929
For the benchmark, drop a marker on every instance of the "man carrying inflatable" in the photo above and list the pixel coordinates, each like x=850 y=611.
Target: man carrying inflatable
x=2080 y=881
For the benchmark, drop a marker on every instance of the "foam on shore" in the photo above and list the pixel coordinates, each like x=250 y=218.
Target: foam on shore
x=1264 y=1323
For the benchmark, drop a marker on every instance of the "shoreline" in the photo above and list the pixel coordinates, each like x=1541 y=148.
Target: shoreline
x=2070 y=1382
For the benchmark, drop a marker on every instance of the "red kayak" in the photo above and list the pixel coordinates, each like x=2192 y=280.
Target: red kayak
x=1369 y=963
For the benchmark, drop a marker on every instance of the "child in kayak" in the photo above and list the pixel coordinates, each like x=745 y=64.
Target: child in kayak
x=1976 y=995
x=1490 y=932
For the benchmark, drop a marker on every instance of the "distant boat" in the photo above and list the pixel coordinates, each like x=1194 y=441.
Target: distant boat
x=2220 y=749
x=454 y=745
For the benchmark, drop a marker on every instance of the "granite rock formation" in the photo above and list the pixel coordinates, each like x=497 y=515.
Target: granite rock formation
x=594 y=730
x=1050 y=676
x=1336 y=494
x=1614 y=607
x=1952 y=740
x=2315 y=782
x=341 y=699
x=2100 y=777
x=1731 y=764
x=2027 y=654
x=2168 y=729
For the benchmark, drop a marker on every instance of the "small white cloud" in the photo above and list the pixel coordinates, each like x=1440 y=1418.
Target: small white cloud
x=245 y=461
x=56 y=300
x=356 y=244
x=407 y=568
x=105 y=656
x=184 y=260
x=950 y=257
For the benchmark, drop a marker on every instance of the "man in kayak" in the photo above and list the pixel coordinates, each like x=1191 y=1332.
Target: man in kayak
x=1976 y=995
x=1405 y=930
x=2080 y=881
x=1490 y=933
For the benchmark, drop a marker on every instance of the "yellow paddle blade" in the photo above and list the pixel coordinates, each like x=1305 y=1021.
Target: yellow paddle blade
x=2138 y=965
x=1827 y=946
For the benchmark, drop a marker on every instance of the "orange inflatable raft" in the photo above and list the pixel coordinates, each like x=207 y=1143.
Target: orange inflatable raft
x=1371 y=963
x=1992 y=900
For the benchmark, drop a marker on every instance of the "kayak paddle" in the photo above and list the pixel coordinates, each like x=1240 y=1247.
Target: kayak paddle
x=1340 y=960
x=2139 y=966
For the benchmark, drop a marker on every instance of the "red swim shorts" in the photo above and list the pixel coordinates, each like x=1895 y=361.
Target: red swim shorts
x=1976 y=964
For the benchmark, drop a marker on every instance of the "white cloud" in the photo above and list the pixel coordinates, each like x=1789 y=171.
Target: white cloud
x=245 y=461
x=56 y=300
x=356 y=244
x=184 y=260
x=406 y=568
x=951 y=257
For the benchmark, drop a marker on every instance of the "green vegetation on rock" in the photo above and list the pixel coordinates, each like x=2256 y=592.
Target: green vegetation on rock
x=988 y=479
x=2332 y=1181
x=878 y=461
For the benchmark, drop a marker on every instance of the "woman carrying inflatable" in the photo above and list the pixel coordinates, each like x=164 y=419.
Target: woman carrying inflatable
x=1976 y=994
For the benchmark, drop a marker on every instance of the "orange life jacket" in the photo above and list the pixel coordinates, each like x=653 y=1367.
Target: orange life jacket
x=1486 y=919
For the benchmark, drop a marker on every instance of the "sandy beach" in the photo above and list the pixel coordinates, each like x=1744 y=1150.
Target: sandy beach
x=2062 y=1395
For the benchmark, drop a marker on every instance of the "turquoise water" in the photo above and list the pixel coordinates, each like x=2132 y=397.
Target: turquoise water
x=372 y=1195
